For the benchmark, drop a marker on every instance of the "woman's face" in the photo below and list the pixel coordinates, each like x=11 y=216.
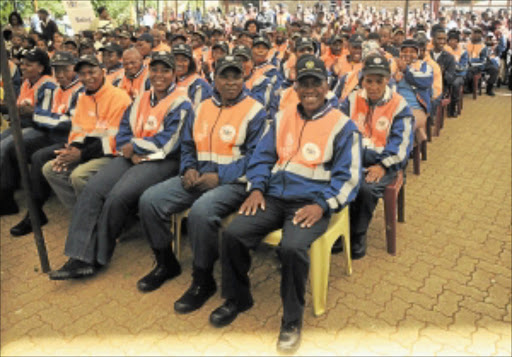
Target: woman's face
x=31 y=70
x=13 y=20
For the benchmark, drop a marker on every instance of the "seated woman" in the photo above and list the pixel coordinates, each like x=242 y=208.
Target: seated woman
x=148 y=142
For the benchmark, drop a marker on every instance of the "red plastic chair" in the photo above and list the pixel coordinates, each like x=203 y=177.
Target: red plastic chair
x=476 y=84
x=394 y=204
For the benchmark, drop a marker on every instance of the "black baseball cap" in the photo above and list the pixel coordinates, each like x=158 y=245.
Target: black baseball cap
x=113 y=47
x=410 y=43
x=71 y=41
x=163 y=57
x=90 y=60
x=243 y=51
x=356 y=40
x=376 y=64
x=262 y=40
x=86 y=43
x=226 y=62
x=478 y=29
x=146 y=37
x=182 y=49
x=201 y=34
x=310 y=65
x=302 y=42
x=63 y=58
x=222 y=45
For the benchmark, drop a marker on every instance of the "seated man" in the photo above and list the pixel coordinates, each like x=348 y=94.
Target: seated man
x=386 y=124
x=215 y=150
x=58 y=120
x=149 y=142
x=478 y=54
x=305 y=167
x=135 y=79
x=91 y=142
x=112 y=56
x=461 y=59
x=262 y=67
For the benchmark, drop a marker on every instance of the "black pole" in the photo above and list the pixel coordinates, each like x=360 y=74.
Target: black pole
x=406 y=17
x=10 y=100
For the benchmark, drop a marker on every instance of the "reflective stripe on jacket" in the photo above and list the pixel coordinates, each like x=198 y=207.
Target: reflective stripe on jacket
x=197 y=89
x=137 y=85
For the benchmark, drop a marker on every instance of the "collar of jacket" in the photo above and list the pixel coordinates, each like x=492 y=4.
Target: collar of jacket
x=261 y=65
x=73 y=82
x=218 y=101
x=388 y=94
x=142 y=68
x=320 y=112
x=103 y=90
x=152 y=97
x=115 y=68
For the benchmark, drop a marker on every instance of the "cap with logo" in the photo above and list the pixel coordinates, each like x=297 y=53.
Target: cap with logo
x=222 y=45
x=376 y=64
x=63 y=58
x=410 y=43
x=310 y=65
x=335 y=38
x=243 y=51
x=113 y=47
x=90 y=60
x=226 y=62
x=182 y=49
x=303 y=42
x=163 y=57
x=217 y=30
x=262 y=40
x=356 y=40
x=178 y=35
x=398 y=30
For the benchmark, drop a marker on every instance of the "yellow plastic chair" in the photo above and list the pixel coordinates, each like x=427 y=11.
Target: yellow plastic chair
x=320 y=252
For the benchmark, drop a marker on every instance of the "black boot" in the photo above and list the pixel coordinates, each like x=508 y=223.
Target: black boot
x=452 y=112
x=74 y=269
x=203 y=287
x=357 y=246
x=490 y=90
x=8 y=205
x=25 y=226
x=167 y=267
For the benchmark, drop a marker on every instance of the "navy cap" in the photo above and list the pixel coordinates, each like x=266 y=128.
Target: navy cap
x=243 y=51
x=163 y=57
x=226 y=62
x=178 y=35
x=63 y=58
x=113 y=47
x=201 y=34
x=71 y=41
x=182 y=49
x=90 y=60
x=86 y=43
x=356 y=40
x=262 y=40
x=302 y=42
x=146 y=37
x=376 y=64
x=222 y=45
x=310 y=65
x=410 y=43
x=478 y=29
x=38 y=55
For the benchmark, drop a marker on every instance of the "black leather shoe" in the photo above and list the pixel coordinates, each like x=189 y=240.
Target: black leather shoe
x=74 y=269
x=357 y=247
x=289 y=338
x=157 y=277
x=25 y=226
x=194 y=298
x=337 y=247
x=226 y=313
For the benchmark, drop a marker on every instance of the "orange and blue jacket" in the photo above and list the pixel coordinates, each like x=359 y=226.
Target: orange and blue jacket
x=154 y=127
x=197 y=88
x=477 y=53
x=116 y=74
x=222 y=138
x=387 y=128
x=314 y=159
x=461 y=59
x=437 y=85
x=96 y=121
x=136 y=85
x=418 y=79
x=289 y=97
x=39 y=95
x=63 y=108
x=271 y=72
x=261 y=89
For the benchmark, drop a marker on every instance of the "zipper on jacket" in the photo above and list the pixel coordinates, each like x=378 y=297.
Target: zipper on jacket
x=296 y=152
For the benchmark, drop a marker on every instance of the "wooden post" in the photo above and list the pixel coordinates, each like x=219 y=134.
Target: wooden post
x=10 y=100
x=34 y=2
x=406 y=17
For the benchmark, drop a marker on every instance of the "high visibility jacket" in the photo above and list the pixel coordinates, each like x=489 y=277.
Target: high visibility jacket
x=222 y=138
x=270 y=71
x=420 y=76
x=289 y=97
x=387 y=128
x=348 y=83
x=279 y=51
x=477 y=53
x=289 y=65
x=316 y=160
x=39 y=95
x=330 y=59
x=115 y=75
x=63 y=108
x=437 y=85
x=98 y=115
x=15 y=78
x=461 y=59
x=199 y=55
x=344 y=65
x=262 y=90
x=197 y=88
x=136 y=85
x=154 y=128
x=162 y=47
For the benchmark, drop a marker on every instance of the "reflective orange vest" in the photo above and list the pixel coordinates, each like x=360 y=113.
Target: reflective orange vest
x=281 y=49
x=28 y=92
x=162 y=47
x=375 y=123
x=437 y=86
x=137 y=85
x=220 y=131
x=62 y=98
x=343 y=66
x=98 y=115
x=455 y=53
x=474 y=49
x=116 y=75
x=330 y=59
x=351 y=82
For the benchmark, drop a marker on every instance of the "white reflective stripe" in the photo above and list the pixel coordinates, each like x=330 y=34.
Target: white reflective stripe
x=249 y=185
x=42 y=119
x=177 y=102
x=352 y=99
x=176 y=136
x=333 y=203
x=267 y=95
x=160 y=155
x=420 y=73
x=145 y=144
x=47 y=99
x=338 y=127
x=105 y=143
x=219 y=159
x=401 y=106
x=198 y=96
x=317 y=173
x=101 y=133
x=242 y=132
x=277 y=121
x=242 y=179
x=76 y=128
x=198 y=108
x=133 y=113
x=369 y=144
x=79 y=139
x=402 y=149
x=349 y=185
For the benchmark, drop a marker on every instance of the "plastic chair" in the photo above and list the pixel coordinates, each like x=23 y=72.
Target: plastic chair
x=320 y=252
x=394 y=200
x=476 y=84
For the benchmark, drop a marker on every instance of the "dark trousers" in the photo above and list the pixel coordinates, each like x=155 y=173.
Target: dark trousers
x=488 y=68
x=455 y=88
x=40 y=187
x=107 y=203
x=361 y=209
x=247 y=232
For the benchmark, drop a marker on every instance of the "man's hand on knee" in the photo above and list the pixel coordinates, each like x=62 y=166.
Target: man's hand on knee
x=308 y=215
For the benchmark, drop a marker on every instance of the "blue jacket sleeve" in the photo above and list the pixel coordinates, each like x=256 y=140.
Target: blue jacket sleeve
x=43 y=107
x=124 y=134
x=400 y=140
x=338 y=88
x=346 y=171
x=263 y=160
x=62 y=122
x=345 y=107
x=188 y=158
x=166 y=141
x=422 y=79
x=275 y=77
x=232 y=172
x=199 y=91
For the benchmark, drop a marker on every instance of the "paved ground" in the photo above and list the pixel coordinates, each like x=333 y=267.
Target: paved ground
x=447 y=292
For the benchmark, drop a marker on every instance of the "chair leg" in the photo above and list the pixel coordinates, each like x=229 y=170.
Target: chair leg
x=177 y=237
x=416 y=159
x=320 y=258
x=429 y=128
x=401 y=205
x=390 y=218
x=424 y=150
x=475 y=87
x=443 y=113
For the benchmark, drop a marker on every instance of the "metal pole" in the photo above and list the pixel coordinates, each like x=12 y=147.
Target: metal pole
x=10 y=100
x=406 y=16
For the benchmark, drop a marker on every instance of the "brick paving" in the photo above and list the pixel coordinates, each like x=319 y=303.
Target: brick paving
x=447 y=291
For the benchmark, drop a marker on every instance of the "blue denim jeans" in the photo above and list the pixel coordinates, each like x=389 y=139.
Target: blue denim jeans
x=207 y=209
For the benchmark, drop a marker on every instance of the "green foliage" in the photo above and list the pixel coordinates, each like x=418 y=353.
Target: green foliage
x=118 y=10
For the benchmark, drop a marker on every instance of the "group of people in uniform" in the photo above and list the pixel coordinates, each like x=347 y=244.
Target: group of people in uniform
x=277 y=129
